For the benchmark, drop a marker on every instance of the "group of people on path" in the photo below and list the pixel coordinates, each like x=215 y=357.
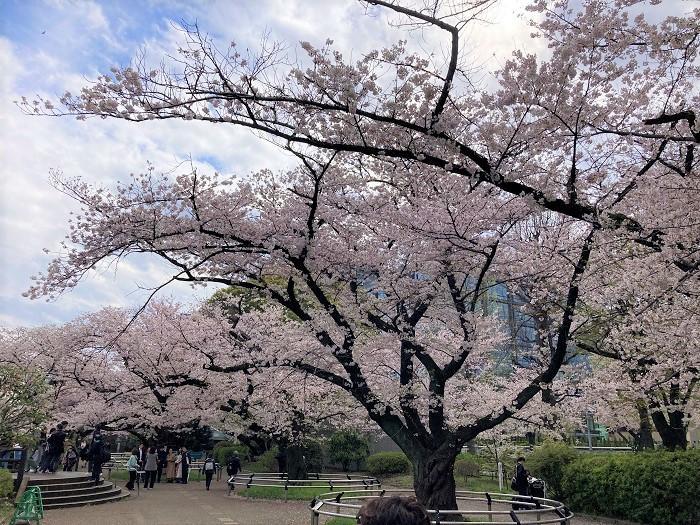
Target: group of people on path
x=176 y=464
x=51 y=453
x=155 y=461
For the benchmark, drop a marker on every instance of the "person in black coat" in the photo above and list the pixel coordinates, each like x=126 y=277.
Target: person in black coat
x=96 y=455
x=162 y=462
x=143 y=450
x=521 y=482
x=56 y=442
x=233 y=466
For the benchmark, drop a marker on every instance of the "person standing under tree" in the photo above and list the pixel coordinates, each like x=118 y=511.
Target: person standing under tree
x=151 y=467
x=71 y=459
x=170 y=467
x=186 y=461
x=132 y=466
x=96 y=455
x=162 y=462
x=178 y=466
x=83 y=452
x=520 y=482
x=208 y=469
x=57 y=442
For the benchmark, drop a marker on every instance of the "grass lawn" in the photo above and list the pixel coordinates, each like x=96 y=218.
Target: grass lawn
x=341 y=521
x=404 y=481
x=294 y=493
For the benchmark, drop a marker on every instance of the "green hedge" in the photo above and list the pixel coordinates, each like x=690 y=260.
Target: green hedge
x=384 y=463
x=654 y=488
x=346 y=448
x=548 y=462
x=266 y=462
x=222 y=454
x=6 y=483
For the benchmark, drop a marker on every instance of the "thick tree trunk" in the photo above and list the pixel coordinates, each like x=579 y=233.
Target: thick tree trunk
x=644 y=439
x=673 y=431
x=433 y=479
x=296 y=462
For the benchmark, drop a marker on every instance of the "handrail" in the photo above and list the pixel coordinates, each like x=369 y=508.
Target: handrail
x=497 y=509
x=317 y=481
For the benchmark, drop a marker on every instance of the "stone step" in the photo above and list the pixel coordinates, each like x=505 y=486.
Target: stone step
x=57 y=480
x=63 y=490
x=107 y=497
x=86 y=498
x=65 y=486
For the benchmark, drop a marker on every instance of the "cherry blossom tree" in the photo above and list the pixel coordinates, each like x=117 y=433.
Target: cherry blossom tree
x=104 y=376
x=385 y=308
x=653 y=363
x=148 y=375
x=418 y=190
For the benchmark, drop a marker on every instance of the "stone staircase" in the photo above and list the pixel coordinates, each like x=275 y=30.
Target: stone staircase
x=74 y=489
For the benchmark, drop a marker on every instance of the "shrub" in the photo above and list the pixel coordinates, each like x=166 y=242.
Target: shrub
x=313 y=452
x=267 y=462
x=346 y=448
x=655 y=488
x=222 y=454
x=467 y=468
x=222 y=444
x=384 y=463
x=547 y=462
x=6 y=483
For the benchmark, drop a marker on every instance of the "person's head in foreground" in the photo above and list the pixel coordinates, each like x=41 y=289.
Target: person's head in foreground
x=394 y=510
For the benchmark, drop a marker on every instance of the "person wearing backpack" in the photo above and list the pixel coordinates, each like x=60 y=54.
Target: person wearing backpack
x=208 y=469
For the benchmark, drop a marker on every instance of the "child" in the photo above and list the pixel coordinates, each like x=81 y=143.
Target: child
x=132 y=466
x=71 y=460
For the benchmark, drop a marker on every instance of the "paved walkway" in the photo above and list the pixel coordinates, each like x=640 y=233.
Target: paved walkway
x=173 y=504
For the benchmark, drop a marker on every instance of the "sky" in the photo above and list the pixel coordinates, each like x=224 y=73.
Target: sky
x=50 y=46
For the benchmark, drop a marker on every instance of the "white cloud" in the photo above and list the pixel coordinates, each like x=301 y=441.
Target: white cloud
x=82 y=37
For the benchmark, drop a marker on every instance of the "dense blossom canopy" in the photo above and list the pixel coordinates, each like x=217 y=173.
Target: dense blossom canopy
x=573 y=182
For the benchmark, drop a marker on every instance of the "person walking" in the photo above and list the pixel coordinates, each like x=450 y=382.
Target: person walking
x=170 y=466
x=162 y=462
x=151 y=467
x=208 y=469
x=233 y=465
x=186 y=462
x=132 y=466
x=96 y=455
x=520 y=482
